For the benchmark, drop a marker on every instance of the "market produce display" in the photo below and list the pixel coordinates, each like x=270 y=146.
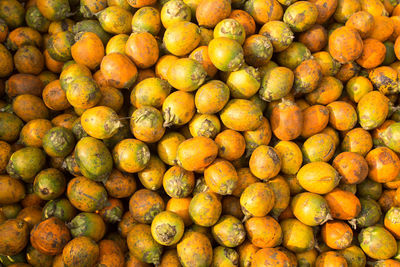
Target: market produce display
x=199 y=133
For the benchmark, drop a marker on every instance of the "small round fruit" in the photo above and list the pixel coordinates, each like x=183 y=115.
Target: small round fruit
x=167 y=228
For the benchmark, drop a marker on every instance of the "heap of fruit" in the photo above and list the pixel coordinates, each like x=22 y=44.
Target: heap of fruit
x=199 y=133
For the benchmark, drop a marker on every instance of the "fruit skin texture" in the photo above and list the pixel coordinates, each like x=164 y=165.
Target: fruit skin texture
x=241 y=115
x=54 y=10
x=87 y=224
x=30 y=107
x=276 y=83
x=257 y=199
x=302 y=240
x=279 y=33
x=88 y=50
x=186 y=74
x=144 y=205
x=342 y=115
x=301 y=16
x=377 y=242
x=281 y=190
x=11 y=190
x=229 y=231
x=194 y=250
x=196 y=153
x=384 y=78
x=58 y=142
x=357 y=140
x=264 y=231
x=311 y=209
x=86 y=195
x=345 y=44
x=142 y=245
x=142 y=49
x=90 y=164
x=14 y=235
x=286 y=121
x=270 y=257
x=110 y=254
x=178 y=108
x=372 y=110
x=100 y=122
x=118 y=70
x=383 y=164
x=226 y=54
x=219 y=8
x=373 y=54
x=265 y=162
x=167 y=228
x=390 y=137
x=205 y=209
x=115 y=20
x=51 y=227
x=318 y=177
x=49 y=184
x=351 y=166
x=343 y=205
x=26 y=163
x=264 y=11
x=330 y=257
x=337 y=234
x=80 y=251
x=181 y=38
x=131 y=155
x=221 y=177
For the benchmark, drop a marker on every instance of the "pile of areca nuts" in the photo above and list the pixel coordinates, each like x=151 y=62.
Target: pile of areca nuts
x=199 y=133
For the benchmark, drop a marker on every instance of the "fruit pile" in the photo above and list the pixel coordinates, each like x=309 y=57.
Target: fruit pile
x=199 y=133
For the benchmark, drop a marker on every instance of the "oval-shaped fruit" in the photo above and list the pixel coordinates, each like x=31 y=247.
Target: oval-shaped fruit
x=205 y=209
x=25 y=163
x=167 y=228
x=55 y=228
x=147 y=124
x=229 y=231
x=100 y=122
x=196 y=153
x=265 y=162
x=226 y=54
x=60 y=208
x=301 y=16
x=131 y=155
x=145 y=204
x=310 y=208
x=49 y=184
x=142 y=244
x=80 y=251
x=390 y=137
x=195 y=250
x=383 y=165
x=87 y=224
x=351 y=166
x=264 y=231
x=86 y=195
x=343 y=205
x=14 y=236
x=345 y=44
x=11 y=190
x=178 y=108
x=93 y=158
x=318 y=177
x=297 y=236
x=337 y=234
x=372 y=110
x=377 y=242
